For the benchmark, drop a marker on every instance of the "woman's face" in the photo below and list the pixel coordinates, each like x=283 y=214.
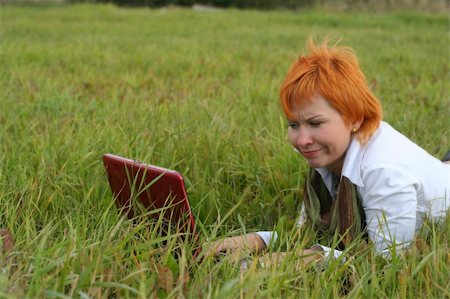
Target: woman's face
x=320 y=134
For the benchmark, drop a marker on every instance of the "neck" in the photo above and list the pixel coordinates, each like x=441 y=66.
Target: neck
x=336 y=167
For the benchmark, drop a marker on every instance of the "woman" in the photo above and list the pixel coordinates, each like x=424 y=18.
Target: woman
x=365 y=177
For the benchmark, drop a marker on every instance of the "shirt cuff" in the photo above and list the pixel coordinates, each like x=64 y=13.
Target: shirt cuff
x=327 y=251
x=268 y=236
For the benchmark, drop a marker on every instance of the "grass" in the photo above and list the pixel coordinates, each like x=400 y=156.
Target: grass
x=197 y=92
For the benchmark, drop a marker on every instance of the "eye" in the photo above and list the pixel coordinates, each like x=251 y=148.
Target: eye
x=315 y=124
x=293 y=124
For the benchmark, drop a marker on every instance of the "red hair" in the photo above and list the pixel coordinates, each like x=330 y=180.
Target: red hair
x=334 y=73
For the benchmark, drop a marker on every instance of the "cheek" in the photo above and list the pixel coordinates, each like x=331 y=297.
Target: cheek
x=344 y=143
x=291 y=137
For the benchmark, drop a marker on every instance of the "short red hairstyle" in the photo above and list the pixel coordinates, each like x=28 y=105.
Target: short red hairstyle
x=333 y=73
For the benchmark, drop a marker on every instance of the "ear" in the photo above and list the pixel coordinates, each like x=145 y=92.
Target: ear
x=357 y=124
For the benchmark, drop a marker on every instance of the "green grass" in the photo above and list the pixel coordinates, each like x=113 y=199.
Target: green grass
x=197 y=92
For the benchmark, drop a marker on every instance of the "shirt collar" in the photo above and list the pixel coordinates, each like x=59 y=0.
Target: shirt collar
x=352 y=162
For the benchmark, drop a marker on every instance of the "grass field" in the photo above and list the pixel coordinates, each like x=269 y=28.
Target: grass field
x=197 y=92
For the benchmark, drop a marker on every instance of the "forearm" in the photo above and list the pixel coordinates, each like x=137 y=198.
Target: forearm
x=255 y=242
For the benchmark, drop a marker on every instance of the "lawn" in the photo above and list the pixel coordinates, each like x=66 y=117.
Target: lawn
x=195 y=91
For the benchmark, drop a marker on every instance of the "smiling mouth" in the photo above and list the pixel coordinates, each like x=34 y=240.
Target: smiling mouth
x=310 y=154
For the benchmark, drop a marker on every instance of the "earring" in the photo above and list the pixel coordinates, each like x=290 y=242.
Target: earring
x=354 y=130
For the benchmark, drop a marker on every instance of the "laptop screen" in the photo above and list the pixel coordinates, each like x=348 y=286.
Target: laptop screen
x=159 y=191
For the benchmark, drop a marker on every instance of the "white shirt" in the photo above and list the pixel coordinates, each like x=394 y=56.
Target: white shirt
x=399 y=184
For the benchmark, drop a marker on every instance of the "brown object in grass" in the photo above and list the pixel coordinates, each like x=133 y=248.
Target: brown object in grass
x=7 y=241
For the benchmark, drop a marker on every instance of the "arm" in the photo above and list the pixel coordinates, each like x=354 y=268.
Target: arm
x=389 y=200
x=325 y=251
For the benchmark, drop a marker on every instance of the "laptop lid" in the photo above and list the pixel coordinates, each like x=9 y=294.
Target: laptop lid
x=154 y=188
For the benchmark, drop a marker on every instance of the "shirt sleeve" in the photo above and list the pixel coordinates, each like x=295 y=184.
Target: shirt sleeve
x=328 y=252
x=271 y=236
x=389 y=200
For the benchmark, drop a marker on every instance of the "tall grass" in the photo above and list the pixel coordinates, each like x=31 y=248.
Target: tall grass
x=197 y=92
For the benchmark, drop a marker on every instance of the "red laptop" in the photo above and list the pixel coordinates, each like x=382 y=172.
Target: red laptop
x=158 y=190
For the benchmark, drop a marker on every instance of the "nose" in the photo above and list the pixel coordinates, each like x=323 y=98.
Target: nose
x=303 y=139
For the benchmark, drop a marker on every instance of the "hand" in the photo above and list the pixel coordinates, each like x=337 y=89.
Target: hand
x=249 y=243
x=302 y=258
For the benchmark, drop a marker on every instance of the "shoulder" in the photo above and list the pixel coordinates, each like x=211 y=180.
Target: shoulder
x=392 y=163
x=388 y=161
x=389 y=149
x=381 y=153
x=387 y=142
x=385 y=178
